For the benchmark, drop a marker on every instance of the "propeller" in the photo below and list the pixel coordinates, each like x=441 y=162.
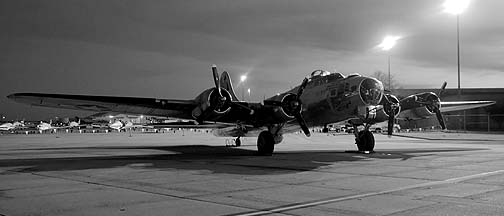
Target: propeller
x=298 y=115
x=293 y=105
x=439 y=116
x=216 y=79
x=390 y=108
x=433 y=104
x=216 y=102
x=442 y=88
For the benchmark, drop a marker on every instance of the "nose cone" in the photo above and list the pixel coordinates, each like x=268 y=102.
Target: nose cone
x=371 y=91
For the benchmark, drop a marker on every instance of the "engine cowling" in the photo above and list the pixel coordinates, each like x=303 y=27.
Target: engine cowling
x=381 y=115
x=387 y=103
x=211 y=105
x=419 y=106
x=391 y=104
x=285 y=107
x=416 y=113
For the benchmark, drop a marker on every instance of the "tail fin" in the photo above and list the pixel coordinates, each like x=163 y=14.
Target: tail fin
x=225 y=83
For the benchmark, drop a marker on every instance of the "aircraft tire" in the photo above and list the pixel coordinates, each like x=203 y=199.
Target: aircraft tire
x=265 y=143
x=366 y=141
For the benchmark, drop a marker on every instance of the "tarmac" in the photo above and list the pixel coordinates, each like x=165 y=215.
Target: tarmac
x=195 y=173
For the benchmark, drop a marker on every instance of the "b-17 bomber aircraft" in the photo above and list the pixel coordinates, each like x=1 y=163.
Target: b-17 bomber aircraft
x=320 y=99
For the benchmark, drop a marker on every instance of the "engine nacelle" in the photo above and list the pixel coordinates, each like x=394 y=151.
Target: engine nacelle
x=387 y=103
x=212 y=105
x=284 y=107
x=416 y=113
x=381 y=115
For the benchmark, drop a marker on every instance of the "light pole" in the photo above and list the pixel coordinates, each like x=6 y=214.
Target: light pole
x=248 y=90
x=242 y=80
x=456 y=7
x=387 y=44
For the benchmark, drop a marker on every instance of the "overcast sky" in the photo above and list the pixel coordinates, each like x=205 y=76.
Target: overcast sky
x=165 y=48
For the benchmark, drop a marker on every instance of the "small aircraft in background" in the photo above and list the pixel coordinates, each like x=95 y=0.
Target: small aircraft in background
x=12 y=126
x=43 y=126
x=320 y=99
x=128 y=125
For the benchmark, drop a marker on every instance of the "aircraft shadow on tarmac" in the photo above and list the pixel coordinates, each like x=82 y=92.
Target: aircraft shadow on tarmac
x=217 y=159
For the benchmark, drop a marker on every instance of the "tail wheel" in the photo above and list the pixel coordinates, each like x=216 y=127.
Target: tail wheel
x=366 y=141
x=265 y=143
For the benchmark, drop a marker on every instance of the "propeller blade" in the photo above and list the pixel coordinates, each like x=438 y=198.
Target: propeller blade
x=302 y=87
x=216 y=79
x=440 y=119
x=442 y=89
x=299 y=116
x=302 y=123
x=391 y=122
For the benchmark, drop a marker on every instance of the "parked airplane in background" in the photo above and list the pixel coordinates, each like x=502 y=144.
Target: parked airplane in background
x=128 y=125
x=11 y=126
x=322 y=98
x=75 y=124
x=43 y=126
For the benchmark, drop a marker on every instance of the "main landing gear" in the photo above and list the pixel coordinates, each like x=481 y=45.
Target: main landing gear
x=265 y=143
x=237 y=142
x=364 y=139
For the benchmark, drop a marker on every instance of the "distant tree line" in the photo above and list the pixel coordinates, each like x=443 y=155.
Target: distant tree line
x=383 y=77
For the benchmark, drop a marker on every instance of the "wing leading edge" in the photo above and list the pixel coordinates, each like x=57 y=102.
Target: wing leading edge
x=128 y=105
x=450 y=106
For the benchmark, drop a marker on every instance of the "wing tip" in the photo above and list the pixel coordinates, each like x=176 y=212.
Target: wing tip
x=13 y=96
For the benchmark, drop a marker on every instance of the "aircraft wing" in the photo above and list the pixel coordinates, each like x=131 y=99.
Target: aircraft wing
x=449 y=106
x=189 y=125
x=131 y=105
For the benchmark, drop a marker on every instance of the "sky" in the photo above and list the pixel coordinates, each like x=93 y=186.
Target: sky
x=165 y=49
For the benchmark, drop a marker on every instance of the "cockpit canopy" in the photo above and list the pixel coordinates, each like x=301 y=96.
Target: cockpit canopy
x=323 y=73
x=317 y=73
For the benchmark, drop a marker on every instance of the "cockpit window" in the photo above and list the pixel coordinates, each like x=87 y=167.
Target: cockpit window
x=371 y=91
x=319 y=73
x=335 y=76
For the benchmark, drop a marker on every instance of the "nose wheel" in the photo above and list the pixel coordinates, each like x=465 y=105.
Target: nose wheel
x=364 y=139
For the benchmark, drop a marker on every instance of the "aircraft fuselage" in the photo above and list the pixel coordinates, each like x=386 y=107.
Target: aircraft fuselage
x=334 y=98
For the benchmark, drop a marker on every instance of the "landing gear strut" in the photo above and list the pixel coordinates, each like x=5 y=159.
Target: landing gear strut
x=237 y=142
x=364 y=139
x=265 y=143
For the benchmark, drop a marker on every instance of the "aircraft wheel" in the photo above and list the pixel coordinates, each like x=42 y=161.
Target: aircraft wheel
x=265 y=143
x=366 y=141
